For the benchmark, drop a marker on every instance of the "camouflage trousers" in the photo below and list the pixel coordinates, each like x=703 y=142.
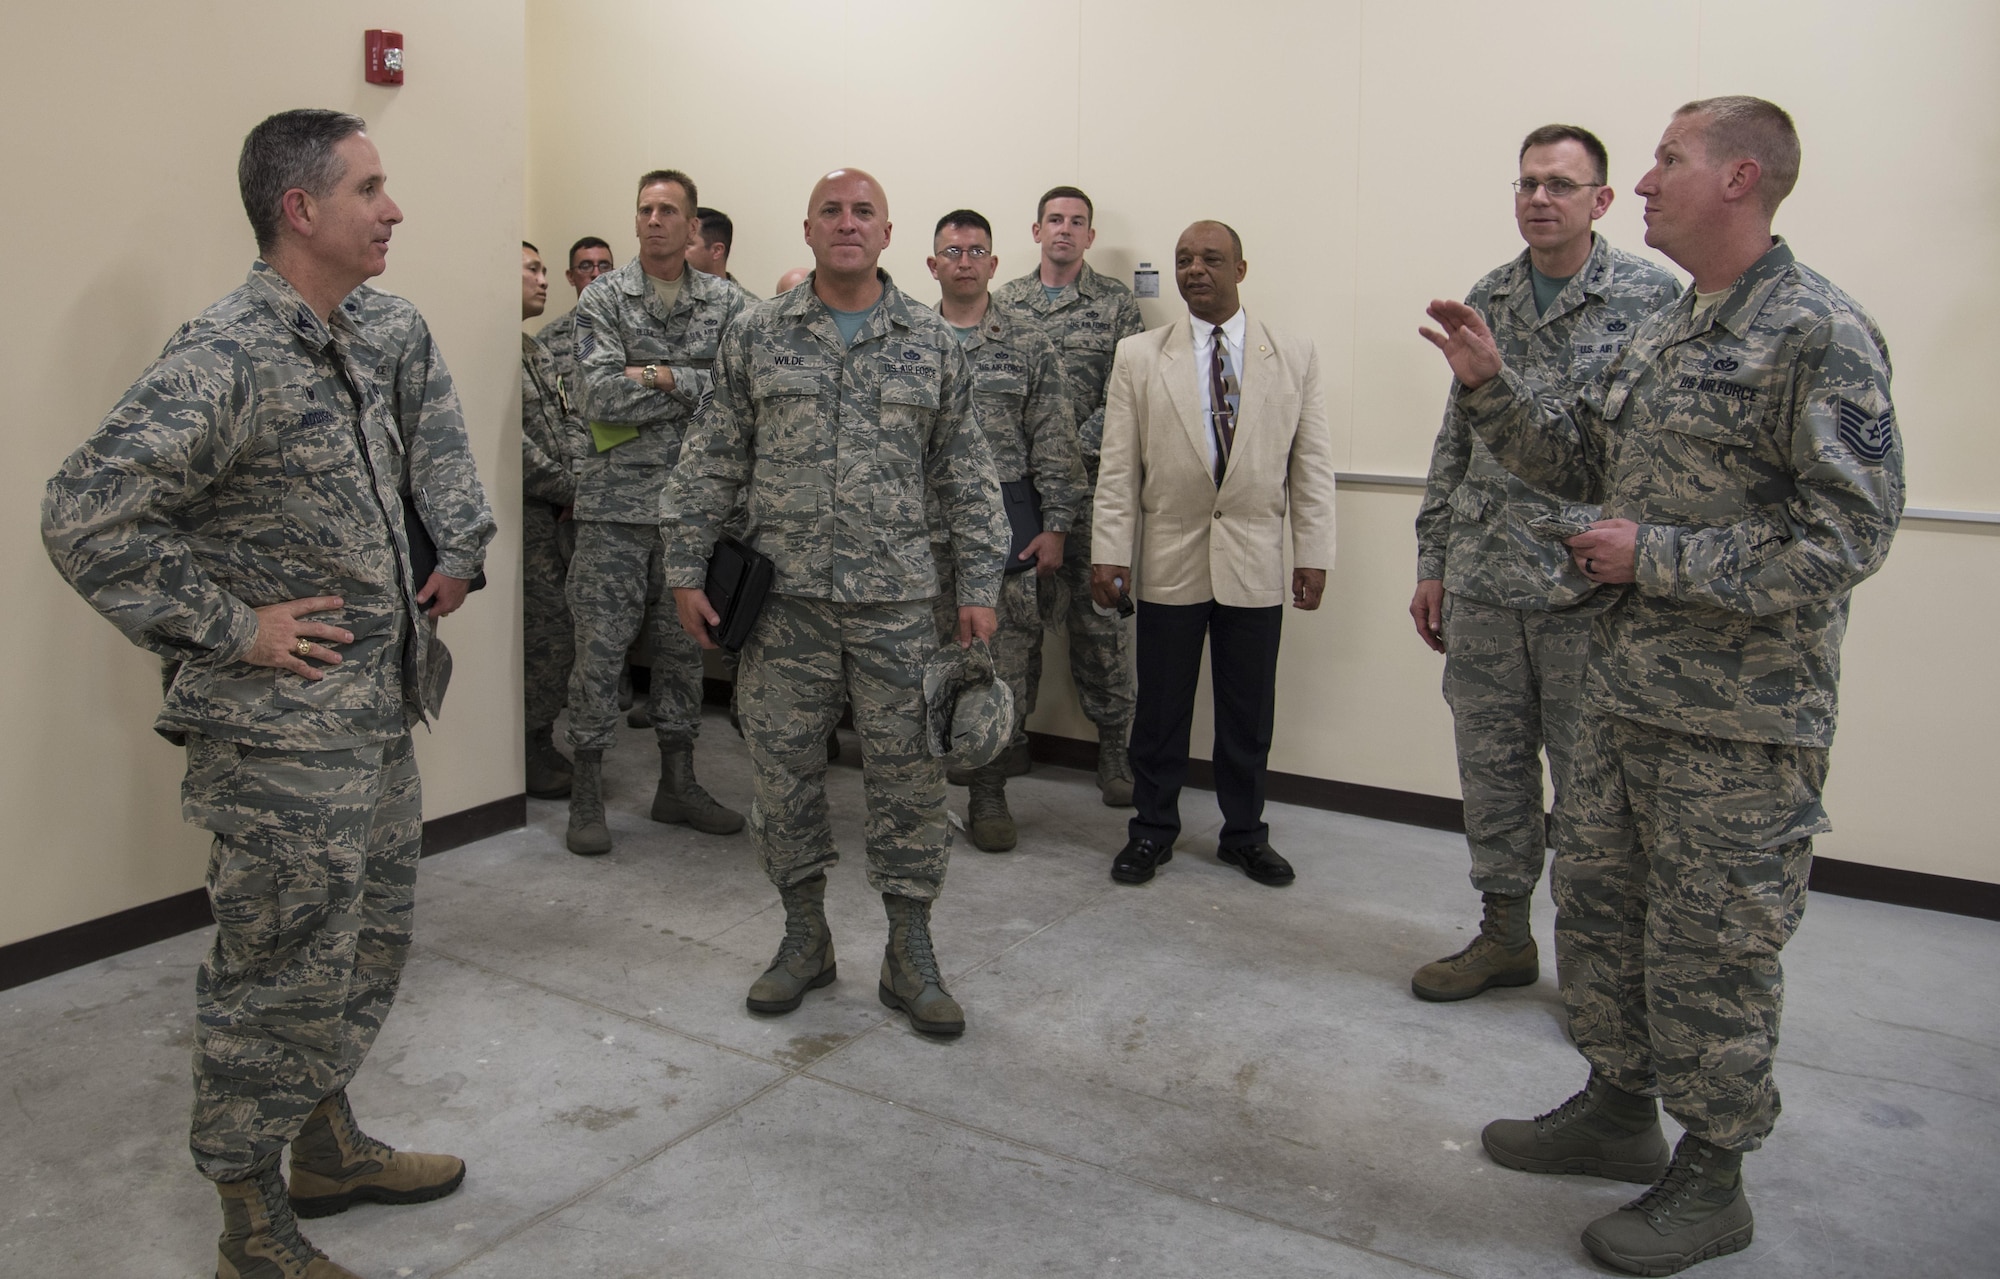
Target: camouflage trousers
x=313 y=879
x=548 y=636
x=1513 y=678
x=614 y=577
x=1100 y=648
x=805 y=660
x=1679 y=876
x=1015 y=644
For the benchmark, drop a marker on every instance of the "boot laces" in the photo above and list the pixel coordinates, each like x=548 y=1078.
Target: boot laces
x=1569 y=1111
x=275 y=1206
x=351 y=1136
x=917 y=945
x=1684 y=1177
x=798 y=932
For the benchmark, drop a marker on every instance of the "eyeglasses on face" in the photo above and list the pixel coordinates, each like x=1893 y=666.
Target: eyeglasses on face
x=977 y=253
x=1558 y=188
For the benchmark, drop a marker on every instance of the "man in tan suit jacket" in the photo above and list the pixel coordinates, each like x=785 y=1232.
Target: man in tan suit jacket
x=1206 y=452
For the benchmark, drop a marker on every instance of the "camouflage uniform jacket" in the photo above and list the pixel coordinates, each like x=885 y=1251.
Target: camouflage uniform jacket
x=620 y=322
x=547 y=442
x=1756 y=447
x=1086 y=321
x=1473 y=528
x=1019 y=397
x=837 y=447
x=411 y=373
x=238 y=472
x=558 y=338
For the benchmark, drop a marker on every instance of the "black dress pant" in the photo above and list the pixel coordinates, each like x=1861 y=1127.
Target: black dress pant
x=1243 y=668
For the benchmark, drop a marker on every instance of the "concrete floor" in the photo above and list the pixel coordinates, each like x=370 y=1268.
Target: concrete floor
x=1199 y=1077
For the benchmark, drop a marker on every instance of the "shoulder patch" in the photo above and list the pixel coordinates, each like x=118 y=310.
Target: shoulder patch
x=1870 y=435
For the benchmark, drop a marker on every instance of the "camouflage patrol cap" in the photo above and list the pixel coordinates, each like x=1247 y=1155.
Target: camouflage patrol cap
x=969 y=715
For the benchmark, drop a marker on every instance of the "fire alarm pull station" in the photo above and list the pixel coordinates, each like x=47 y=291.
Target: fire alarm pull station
x=385 y=57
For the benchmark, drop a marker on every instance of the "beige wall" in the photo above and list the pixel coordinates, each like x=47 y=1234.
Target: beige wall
x=121 y=121
x=1363 y=149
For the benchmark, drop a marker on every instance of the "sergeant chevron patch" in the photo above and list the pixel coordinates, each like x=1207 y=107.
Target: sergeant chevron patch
x=1870 y=435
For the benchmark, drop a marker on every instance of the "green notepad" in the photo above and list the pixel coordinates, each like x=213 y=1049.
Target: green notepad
x=609 y=435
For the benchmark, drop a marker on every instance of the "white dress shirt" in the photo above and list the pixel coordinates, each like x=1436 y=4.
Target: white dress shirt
x=1232 y=330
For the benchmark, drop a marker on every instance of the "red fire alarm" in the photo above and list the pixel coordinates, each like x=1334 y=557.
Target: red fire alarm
x=385 y=57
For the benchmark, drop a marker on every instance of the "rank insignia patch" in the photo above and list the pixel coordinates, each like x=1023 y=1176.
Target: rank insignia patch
x=1870 y=435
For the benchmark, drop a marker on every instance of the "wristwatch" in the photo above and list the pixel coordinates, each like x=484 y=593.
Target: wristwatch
x=650 y=377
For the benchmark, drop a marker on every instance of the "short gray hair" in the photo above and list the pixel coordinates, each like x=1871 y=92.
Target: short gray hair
x=1746 y=128
x=292 y=149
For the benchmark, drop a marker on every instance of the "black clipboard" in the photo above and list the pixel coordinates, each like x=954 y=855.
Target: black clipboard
x=424 y=551
x=739 y=579
x=1024 y=521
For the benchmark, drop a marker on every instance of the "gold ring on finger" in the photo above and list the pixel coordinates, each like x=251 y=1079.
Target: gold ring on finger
x=304 y=647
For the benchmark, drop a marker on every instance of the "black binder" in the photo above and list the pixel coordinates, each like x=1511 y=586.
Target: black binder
x=1024 y=520
x=739 y=577
x=423 y=549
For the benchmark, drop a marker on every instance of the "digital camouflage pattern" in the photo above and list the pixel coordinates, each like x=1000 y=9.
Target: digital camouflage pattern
x=838 y=451
x=1086 y=322
x=1682 y=999
x=231 y=476
x=256 y=462
x=411 y=373
x=1472 y=530
x=1513 y=678
x=312 y=879
x=614 y=586
x=1020 y=398
x=558 y=338
x=621 y=322
x=549 y=443
x=833 y=451
x=1018 y=637
x=1755 y=445
x=615 y=572
x=1517 y=627
x=806 y=659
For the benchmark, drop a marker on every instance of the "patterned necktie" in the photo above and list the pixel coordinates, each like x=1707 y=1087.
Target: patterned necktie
x=1220 y=408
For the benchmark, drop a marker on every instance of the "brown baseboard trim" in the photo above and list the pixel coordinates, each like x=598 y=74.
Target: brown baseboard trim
x=455 y=830
x=34 y=958
x=1905 y=888
x=1829 y=875
x=1407 y=807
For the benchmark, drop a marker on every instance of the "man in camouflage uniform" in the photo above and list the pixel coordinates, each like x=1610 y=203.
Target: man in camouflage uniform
x=1018 y=394
x=1503 y=603
x=1086 y=315
x=1745 y=450
x=549 y=441
x=840 y=410
x=251 y=472
x=713 y=236
x=646 y=336
x=589 y=258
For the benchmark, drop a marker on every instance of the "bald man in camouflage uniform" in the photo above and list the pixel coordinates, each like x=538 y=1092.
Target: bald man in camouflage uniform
x=1018 y=395
x=1504 y=604
x=841 y=410
x=1086 y=315
x=646 y=337
x=239 y=513
x=1745 y=450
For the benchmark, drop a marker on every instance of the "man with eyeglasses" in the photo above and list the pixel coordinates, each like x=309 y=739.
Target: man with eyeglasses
x=1086 y=315
x=589 y=258
x=1499 y=599
x=1746 y=452
x=1018 y=394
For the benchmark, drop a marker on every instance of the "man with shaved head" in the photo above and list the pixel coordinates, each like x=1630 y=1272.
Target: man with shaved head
x=1213 y=426
x=1745 y=451
x=843 y=408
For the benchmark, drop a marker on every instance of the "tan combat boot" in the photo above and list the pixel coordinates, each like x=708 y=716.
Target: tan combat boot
x=260 y=1236
x=910 y=979
x=1114 y=765
x=987 y=820
x=680 y=798
x=805 y=958
x=1503 y=954
x=589 y=834
x=335 y=1164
